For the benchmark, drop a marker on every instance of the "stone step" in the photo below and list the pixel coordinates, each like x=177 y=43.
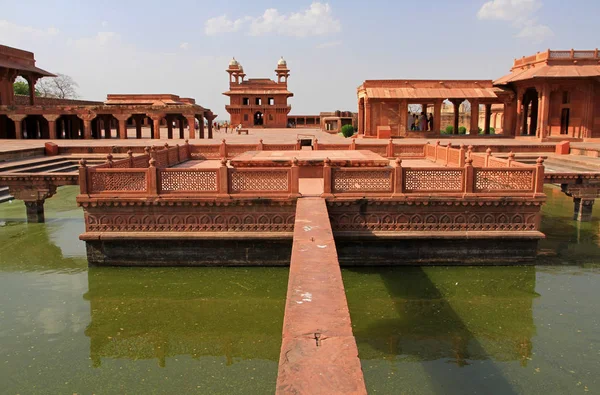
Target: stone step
x=47 y=167
x=5 y=195
x=16 y=165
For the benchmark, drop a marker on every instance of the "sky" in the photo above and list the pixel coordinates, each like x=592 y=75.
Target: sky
x=183 y=47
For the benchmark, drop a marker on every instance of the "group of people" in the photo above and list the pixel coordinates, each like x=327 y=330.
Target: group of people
x=420 y=122
x=227 y=126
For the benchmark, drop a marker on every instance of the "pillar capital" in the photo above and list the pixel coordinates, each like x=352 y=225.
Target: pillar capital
x=156 y=116
x=17 y=117
x=121 y=117
x=51 y=117
x=87 y=117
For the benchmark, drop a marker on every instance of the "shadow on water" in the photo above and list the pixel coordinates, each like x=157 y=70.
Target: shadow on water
x=453 y=322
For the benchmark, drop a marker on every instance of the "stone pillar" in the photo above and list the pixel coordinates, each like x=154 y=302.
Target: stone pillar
x=191 y=120
x=31 y=82
x=169 y=119
x=437 y=116
x=18 y=120
x=122 y=118
x=210 y=126
x=87 y=125
x=201 y=127
x=34 y=198
x=367 y=130
x=543 y=111
x=456 y=104
x=138 y=125
x=403 y=117
x=35 y=211
x=587 y=121
x=361 y=116
x=474 y=129
x=518 y=127
x=582 y=209
x=107 y=120
x=181 y=129
x=488 y=116
x=51 y=118
x=156 y=125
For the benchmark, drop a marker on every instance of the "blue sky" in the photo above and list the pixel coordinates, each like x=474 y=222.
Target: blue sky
x=183 y=47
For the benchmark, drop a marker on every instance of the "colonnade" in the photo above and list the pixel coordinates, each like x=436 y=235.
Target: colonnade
x=91 y=126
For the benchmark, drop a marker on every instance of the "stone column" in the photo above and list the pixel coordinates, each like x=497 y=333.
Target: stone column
x=488 y=116
x=403 y=117
x=367 y=130
x=122 y=118
x=51 y=118
x=169 y=119
x=210 y=125
x=456 y=104
x=191 y=120
x=582 y=209
x=31 y=82
x=587 y=121
x=34 y=199
x=138 y=125
x=18 y=120
x=361 y=116
x=181 y=129
x=87 y=125
x=437 y=116
x=106 y=121
x=156 y=118
x=518 y=127
x=474 y=129
x=201 y=127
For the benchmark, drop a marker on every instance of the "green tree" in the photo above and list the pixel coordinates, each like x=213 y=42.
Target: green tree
x=347 y=130
x=21 y=87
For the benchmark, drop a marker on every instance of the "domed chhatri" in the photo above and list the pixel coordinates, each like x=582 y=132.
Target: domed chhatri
x=282 y=62
x=234 y=62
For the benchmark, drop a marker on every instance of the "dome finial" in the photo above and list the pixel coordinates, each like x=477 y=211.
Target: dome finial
x=282 y=62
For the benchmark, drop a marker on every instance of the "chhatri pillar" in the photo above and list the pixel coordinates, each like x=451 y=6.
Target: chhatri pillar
x=367 y=130
x=210 y=117
x=31 y=80
x=169 y=118
x=361 y=116
x=87 y=124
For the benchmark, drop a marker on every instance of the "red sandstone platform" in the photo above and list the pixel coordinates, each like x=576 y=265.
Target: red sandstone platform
x=309 y=158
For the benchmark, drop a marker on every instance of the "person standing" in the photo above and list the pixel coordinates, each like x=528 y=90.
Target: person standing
x=430 y=121
x=423 y=125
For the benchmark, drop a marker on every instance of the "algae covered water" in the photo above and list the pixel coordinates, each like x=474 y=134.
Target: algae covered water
x=65 y=328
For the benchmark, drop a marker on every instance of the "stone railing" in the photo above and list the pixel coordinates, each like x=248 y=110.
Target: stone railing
x=222 y=182
x=488 y=160
x=445 y=155
x=456 y=181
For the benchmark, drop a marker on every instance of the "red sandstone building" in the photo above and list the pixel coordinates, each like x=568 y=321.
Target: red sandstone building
x=553 y=94
x=258 y=102
x=49 y=118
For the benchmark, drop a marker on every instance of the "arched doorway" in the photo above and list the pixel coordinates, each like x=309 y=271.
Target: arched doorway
x=258 y=118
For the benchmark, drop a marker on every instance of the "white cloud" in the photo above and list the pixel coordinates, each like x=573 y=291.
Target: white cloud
x=184 y=46
x=317 y=20
x=222 y=24
x=521 y=13
x=12 y=33
x=328 y=44
x=536 y=32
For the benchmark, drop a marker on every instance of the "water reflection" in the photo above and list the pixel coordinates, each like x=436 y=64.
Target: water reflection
x=139 y=313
